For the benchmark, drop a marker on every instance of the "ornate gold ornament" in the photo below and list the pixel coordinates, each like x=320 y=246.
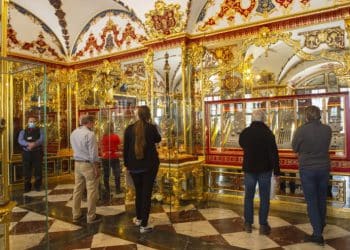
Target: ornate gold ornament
x=333 y=37
x=266 y=37
x=95 y=89
x=342 y=58
x=196 y=53
x=165 y=20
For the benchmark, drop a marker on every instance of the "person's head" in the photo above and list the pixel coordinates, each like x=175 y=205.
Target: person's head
x=87 y=121
x=109 y=128
x=258 y=115
x=312 y=113
x=31 y=122
x=144 y=113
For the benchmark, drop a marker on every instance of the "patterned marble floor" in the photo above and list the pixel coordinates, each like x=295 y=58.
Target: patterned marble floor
x=207 y=226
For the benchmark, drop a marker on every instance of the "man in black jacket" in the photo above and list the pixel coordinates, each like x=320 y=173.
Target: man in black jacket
x=259 y=161
x=31 y=140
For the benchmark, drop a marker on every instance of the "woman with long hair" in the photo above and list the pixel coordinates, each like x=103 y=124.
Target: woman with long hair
x=142 y=161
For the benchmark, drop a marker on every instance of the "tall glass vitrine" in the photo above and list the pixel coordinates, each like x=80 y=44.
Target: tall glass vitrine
x=23 y=95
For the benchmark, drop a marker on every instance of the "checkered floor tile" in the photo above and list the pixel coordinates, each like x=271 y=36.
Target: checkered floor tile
x=219 y=226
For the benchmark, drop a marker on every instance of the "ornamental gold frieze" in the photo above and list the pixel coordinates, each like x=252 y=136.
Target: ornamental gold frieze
x=148 y=62
x=106 y=77
x=164 y=20
x=342 y=57
x=266 y=37
x=30 y=84
x=195 y=54
x=333 y=37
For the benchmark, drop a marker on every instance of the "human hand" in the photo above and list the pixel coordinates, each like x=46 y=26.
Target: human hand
x=97 y=171
x=277 y=178
x=31 y=145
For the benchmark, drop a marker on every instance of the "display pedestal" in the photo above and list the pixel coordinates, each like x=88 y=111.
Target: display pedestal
x=175 y=182
x=180 y=181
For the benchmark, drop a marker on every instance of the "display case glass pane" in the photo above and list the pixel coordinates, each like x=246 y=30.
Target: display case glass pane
x=227 y=118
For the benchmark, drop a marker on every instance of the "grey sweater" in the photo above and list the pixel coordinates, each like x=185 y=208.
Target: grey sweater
x=311 y=141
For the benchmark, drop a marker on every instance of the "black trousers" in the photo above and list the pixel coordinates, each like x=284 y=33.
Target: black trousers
x=113 y=164
x=143 y=183
x=32 y=159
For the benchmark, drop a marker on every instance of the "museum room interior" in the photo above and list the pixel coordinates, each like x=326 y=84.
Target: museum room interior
x=202 y=67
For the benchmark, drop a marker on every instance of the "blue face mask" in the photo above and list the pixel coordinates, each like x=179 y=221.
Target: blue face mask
x=31 y=125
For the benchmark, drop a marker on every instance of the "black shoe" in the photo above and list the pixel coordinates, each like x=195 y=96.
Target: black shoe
x=27 y=190
x=265 y=229
x=97 y=219
x=315 y=239
x=79 y=218
x=38 y=189
x=248 y=227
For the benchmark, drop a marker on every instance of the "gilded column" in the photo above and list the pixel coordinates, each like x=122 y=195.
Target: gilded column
x=5 y=100
x=186 y=101
x=150 y=79
x=195 y=55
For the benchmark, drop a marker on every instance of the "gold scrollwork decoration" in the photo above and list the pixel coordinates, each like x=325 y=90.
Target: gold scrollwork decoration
x=105 y=78
x=333 y=37
x=196 y=53
x=164 y=20
x=342 y=58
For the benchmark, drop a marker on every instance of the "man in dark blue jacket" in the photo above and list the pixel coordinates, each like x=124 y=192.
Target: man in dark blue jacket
x=259 y=161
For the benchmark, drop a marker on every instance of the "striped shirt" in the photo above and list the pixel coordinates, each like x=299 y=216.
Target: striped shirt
x=84 y=145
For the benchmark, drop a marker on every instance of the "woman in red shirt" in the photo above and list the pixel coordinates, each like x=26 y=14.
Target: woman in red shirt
x=110 y=158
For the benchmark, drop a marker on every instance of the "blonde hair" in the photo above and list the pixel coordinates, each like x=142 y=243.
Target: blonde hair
x=144 y=115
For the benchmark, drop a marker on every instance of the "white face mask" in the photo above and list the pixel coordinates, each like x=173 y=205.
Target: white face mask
x=31 y=124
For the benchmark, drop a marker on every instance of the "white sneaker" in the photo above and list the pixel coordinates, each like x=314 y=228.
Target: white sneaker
x=136 y=221
x=146 y=229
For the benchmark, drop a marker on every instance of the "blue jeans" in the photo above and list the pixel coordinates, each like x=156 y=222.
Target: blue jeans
x=264 y=181
x=315 y=187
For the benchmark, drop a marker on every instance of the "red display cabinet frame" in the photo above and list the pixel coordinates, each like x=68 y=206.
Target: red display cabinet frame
x=225 y=119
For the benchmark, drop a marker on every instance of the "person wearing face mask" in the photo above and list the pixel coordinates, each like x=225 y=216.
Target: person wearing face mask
x=31 y=140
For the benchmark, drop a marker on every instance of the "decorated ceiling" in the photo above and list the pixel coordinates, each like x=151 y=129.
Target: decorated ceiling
x=73 y=31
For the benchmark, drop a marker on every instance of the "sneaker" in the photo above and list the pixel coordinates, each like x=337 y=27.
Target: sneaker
x=77 y=219
x=248 y=227
x=146 y=229
x=95 y=220
x=136 y=221
x=315 y=239
x=265 y=229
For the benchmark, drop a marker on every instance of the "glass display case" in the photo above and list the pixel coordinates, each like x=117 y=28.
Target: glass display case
x=225 y=119
x=24 y=94
x=119 y=116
